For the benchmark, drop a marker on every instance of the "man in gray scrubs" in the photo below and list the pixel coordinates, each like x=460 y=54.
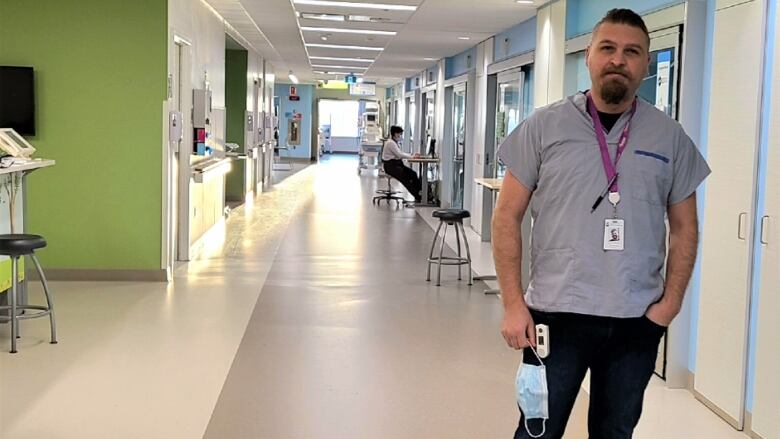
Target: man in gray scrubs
x=601 y=170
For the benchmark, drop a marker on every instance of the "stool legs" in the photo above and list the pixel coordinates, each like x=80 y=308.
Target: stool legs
x=460 y=233
x=430 y=253
x=49 y=301
x=468 y=252
x=441 y=253
x=14 y=321
x=457 y=240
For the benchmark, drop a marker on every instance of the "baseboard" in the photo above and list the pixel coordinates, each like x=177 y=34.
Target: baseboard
x=64 y=274
x=749 y=426
x=710 y=405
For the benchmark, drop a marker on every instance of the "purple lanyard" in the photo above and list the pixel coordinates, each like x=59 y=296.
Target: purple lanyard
x=610 y=168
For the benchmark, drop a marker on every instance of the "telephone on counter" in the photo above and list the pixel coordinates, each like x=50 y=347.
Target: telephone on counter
x=14 y=145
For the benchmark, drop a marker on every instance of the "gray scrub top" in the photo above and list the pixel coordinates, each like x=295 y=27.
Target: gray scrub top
x=555 y=154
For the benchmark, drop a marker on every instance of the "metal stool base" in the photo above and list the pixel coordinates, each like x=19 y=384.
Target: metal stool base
x=14 y=317
x=449 y=260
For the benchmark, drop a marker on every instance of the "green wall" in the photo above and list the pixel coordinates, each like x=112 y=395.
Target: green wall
x=235 y=106
x=101 y=68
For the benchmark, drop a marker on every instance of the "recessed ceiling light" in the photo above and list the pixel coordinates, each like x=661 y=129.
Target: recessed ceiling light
x=339 y=67
x=464 y=38
x=356 y=5
x=338 y=46
x=324 y=17
x=320 y=72
x=430 y=59
x=347 y=31
x=524 y=2
x=324 y=37
x=333 y=58
x=367 y=19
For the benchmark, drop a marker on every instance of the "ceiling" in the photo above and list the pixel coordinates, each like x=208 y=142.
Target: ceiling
x=286 y=33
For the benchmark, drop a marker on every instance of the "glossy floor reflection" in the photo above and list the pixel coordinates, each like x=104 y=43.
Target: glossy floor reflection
x=308 y=316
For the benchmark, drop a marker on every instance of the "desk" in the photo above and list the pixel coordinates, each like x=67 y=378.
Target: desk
x=492 y=186
x=424 y=162
x=12 y=180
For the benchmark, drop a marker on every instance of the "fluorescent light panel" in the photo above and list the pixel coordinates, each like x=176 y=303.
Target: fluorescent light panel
x=322 y=72
x=339 y=67
x=347 y=31
x=335 y=58
x=338 y=46
x=323 y=17
x=356 y=5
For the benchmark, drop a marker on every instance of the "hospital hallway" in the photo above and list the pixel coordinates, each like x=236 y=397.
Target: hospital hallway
x=310 y=317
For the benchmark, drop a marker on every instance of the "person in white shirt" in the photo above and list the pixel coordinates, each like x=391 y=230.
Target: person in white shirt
x=392 y=160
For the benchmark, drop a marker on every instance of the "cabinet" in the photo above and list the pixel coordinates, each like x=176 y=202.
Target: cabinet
x=766 y=396
x=734 y=118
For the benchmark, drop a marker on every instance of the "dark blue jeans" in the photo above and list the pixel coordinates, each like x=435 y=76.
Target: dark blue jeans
x=620 y=354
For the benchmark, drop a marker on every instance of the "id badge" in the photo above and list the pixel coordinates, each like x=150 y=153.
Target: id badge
x=614 y=235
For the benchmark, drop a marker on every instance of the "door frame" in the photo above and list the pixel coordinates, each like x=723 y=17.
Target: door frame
x=175 y=225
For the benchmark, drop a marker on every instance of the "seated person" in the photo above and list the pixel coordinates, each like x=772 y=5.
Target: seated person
x=392 y=159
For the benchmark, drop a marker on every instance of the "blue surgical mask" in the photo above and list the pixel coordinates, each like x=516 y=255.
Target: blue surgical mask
x=531 y=393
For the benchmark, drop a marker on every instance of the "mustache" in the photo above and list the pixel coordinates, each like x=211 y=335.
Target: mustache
x=615 y=70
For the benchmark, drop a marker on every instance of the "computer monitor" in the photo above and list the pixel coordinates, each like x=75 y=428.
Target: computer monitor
x=371 y=117
x=431 y=147
x=17 y=99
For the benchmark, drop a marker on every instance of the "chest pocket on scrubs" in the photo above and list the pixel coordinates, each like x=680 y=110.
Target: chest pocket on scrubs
x=652 y=179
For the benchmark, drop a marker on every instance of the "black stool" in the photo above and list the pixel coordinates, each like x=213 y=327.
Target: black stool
x=450 y=217
x=16 y=246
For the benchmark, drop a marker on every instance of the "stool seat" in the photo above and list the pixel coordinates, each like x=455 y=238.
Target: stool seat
x=451 y=214
x=20 y=244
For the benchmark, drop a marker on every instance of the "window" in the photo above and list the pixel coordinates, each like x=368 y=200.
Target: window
x=342 y=116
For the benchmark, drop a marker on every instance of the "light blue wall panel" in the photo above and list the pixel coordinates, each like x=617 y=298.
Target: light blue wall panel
x=582 y=15
x=460 y=63
x=304 y=106
x=516 y=40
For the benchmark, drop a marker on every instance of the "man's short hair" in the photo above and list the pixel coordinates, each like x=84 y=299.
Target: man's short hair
x=627 y=17
x=395 y=130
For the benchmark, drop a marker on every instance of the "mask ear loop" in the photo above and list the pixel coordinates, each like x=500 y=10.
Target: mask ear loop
x=544 y=421
x=544 y=428
x=536 y=355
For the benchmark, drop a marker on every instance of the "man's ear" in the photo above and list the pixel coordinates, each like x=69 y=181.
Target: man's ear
x=587 y=55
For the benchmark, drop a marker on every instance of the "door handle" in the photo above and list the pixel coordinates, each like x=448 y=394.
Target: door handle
x=742 y=217
x=763 y=230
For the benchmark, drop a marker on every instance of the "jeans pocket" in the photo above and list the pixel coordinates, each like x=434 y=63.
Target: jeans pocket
x=654 y=327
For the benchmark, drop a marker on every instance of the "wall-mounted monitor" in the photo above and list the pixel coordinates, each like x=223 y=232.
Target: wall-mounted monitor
x=17 y=99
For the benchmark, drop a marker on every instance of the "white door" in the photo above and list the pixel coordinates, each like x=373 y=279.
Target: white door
x=509 y=113
x=766 y=398
x=721 y=353
x=182 y=174
x=172 y=166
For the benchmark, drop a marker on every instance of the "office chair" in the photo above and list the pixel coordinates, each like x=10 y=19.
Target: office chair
x=387 y=194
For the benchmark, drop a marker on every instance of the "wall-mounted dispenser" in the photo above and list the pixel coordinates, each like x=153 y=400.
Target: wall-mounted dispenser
x=201 y=121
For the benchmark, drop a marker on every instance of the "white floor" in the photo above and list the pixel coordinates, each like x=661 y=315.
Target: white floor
x=148 y=360
x=145 y=360
x=667 y=413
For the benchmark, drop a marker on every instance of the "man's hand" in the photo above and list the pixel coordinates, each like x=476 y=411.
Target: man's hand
x=416 y=155
x=518 y=327
x=662 y=313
